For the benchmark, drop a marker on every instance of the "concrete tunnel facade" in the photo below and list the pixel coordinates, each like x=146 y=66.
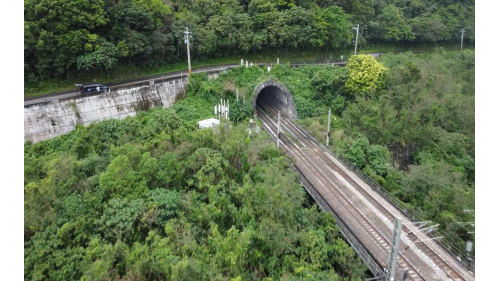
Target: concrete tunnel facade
x=279 y=95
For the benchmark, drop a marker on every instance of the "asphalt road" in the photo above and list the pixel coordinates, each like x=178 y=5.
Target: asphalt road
x=167 y=76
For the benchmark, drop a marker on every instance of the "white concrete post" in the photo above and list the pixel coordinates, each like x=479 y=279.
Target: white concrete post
x=247 y=64
x=462 y=39
x=278 y=61
x=241 y=62
x=186 y=40
x=356 y=44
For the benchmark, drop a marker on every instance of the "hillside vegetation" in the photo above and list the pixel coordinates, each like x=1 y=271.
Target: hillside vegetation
x=153 y=198
x=408 y=122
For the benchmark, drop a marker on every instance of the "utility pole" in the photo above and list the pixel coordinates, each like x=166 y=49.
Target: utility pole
x=328 y=130
x=278 y=133
x=186 y=40
x=393 y=254
x=462 y=39
x=356 y=44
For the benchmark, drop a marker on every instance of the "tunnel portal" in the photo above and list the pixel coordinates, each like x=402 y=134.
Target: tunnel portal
x=273 y=93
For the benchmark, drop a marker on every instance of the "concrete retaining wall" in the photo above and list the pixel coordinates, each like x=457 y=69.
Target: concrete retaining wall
x=45 y=121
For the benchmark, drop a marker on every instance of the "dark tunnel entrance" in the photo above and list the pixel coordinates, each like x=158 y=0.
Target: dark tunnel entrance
x=274 y=95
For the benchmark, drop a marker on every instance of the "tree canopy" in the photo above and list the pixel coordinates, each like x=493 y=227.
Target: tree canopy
x=410 y=129
x=366 y=75
x=101 y=35
x=153 y=198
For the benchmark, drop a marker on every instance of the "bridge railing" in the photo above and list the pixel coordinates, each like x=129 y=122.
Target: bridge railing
x=446 y=245
x=344 y=230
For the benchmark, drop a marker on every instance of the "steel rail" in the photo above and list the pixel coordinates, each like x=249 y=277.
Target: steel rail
x=301 y=137
x=342 y=198
x=437 y=259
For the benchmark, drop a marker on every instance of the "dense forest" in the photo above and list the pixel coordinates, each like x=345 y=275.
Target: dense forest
x=100 y=35
x=153 y=198
x=408 y=122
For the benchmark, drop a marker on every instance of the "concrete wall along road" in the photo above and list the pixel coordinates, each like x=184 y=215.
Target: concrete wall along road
x=45 y=121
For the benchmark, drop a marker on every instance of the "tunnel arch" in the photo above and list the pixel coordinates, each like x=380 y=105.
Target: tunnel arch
x=280 y=94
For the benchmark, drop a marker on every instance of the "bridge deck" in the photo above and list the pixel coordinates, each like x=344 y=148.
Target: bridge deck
x=367 y=215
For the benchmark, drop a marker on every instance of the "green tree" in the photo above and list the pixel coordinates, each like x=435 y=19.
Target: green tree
x=59 y=31
x=119 y=219
x=357 y=152
x=339 y=23
x=393 y=25
x=104 y=57
x=120 y=180
x=366 y=75
x=361 y=10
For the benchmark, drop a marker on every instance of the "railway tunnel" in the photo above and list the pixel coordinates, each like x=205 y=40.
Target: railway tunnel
x=274 y=94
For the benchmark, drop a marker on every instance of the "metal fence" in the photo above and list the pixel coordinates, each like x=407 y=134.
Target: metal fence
x=372 y=264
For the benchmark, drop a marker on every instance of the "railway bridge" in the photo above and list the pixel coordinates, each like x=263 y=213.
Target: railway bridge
x=364 y=215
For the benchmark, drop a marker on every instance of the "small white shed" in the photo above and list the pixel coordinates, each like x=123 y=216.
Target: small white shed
x=208 y=123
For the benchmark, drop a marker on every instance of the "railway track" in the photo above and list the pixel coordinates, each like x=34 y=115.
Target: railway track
x=342 y=199
x=304 y=141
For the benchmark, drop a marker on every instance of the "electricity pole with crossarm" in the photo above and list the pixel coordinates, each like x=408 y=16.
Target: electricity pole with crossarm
x=186 y=40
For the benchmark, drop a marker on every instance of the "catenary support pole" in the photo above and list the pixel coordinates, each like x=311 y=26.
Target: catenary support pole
x=393 y=254
x=328 y=129
x=278 y=132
